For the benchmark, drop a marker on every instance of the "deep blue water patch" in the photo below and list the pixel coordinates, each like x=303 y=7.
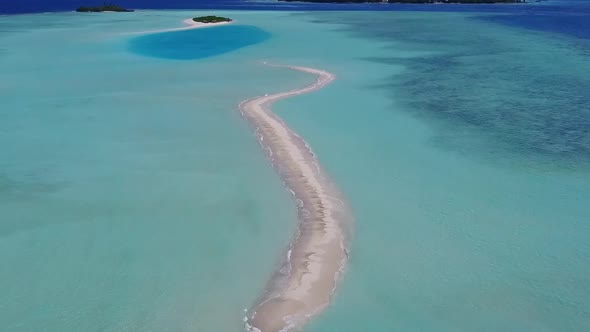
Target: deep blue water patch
x=197 y=43
x=28 y=6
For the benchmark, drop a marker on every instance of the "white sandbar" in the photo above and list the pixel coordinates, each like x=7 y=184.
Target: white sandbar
x=189 y=24
x=304 y=285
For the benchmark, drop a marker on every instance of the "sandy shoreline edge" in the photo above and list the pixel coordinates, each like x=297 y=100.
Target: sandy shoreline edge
x=304 y=285
x=189 y=24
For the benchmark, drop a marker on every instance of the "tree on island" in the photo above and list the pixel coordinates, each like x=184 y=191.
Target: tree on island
x=106 y=7
x=211 y=19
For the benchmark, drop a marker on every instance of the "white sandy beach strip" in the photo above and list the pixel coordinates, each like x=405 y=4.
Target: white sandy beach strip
x=189 y=25
x=304 y=285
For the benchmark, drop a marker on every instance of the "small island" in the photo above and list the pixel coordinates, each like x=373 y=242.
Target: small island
x=211 y=19
x=107 y=7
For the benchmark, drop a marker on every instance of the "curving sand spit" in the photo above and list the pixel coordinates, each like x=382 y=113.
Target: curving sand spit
x=189 y=24
x=304 y=284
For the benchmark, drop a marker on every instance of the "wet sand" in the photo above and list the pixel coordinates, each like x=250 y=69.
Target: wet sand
x=304 y=284
x=189 y=24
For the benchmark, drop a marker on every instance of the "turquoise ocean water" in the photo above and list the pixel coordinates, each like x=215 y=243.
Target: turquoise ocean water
x=133 y=197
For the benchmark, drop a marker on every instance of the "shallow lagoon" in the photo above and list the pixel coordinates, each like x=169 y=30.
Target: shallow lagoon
x=132 y=185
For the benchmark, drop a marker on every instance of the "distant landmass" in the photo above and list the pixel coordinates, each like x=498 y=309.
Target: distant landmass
x=410 y=1
x=107 y=7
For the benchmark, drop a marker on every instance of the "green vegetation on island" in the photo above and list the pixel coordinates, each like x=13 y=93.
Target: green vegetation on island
x=410 y=1
x=106 y=7
x=211 y=19
x=335 y=1
x=457 y=1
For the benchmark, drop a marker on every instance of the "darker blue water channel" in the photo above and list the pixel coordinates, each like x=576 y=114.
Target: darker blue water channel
x=569 y=17
x=497 y=94
x=197 y=43
x=575 y=24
